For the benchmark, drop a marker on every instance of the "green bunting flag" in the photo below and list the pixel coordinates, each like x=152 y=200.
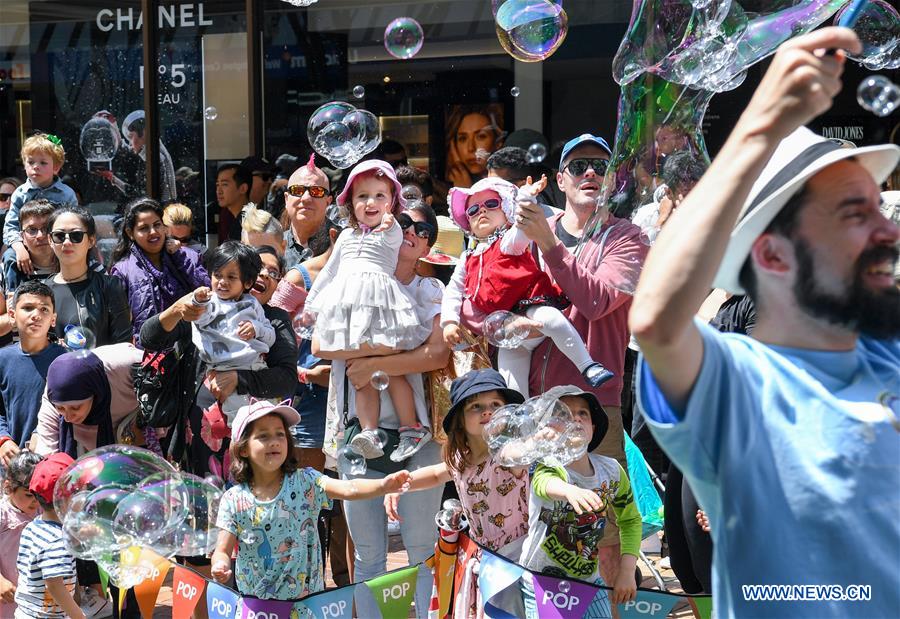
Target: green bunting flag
x=394 y=592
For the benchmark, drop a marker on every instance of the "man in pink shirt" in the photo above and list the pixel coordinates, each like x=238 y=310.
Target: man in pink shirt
x=591 y=280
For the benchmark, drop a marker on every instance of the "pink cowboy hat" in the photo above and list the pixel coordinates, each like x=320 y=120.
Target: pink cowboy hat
x=377 y=166
x=458 y=197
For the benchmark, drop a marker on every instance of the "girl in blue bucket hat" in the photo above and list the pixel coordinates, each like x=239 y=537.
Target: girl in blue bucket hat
x=494 y=498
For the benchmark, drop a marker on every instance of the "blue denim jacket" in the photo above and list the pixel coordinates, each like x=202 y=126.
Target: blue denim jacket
x=59 y=193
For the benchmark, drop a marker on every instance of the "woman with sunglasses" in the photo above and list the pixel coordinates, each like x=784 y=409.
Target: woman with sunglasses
x=93 y=301
x=501 y=274
x=154 y=272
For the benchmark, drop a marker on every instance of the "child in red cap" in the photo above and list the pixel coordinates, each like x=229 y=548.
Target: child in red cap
x=45 y=564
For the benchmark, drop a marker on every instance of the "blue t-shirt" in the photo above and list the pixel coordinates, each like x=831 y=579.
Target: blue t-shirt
x=279 y=553
x=793 y=456
x=22 y=381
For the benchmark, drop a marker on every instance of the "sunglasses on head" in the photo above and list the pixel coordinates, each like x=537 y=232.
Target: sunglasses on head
x=421 y=229
x=577 y=167
x=489 y=204
x=314 y=190
x=60 y=236
x=4 y=197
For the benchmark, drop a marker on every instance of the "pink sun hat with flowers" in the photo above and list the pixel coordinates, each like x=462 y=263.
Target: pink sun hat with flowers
x=458 y=197
x=381 y=169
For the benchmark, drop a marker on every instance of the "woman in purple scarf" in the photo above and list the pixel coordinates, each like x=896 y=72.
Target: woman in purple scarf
x=155 y=271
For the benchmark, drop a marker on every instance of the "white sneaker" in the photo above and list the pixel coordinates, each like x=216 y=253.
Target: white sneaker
x=95 y=605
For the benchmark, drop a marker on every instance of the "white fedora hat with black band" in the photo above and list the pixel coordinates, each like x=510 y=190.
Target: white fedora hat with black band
x=797 y=158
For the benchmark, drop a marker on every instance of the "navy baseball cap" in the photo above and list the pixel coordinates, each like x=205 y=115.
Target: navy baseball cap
x=582 y=139
x=473 y=383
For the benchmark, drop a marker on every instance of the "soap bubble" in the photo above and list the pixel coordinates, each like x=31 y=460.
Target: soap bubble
x=380 y=380
x=196 y=535
x=211 y=113
x=505 y=330
x=359 y=91
x=530 y=30
x=131 y=566
x=878 y=27
x=116 y=497
x=380 y=439
x=305 y=324
x=564 y=586
x=99 y=140
x=78 y=338
x=403 y=38
x=515 y=91
x=500 y=430
x=343 y=134
x=451 y=517
x=700 y=4
x=649 y=234
x=537 y=152
x=878 y=95
x=350 y=462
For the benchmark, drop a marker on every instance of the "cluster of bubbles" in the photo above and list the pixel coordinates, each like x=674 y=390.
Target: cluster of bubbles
x=352 y=463
x=879 y=95
x=530 y=30
x=537 y=152
x=877 y=24
x=403 y=38
x=505 y=330
x=343 y=134
x=540 y=429
x=117 y=500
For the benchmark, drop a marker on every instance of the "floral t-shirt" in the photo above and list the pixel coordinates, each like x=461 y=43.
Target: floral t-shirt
x=495 y=502
x=279 y=554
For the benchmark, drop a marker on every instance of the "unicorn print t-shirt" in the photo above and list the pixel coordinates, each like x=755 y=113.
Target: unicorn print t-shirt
x=279 y=556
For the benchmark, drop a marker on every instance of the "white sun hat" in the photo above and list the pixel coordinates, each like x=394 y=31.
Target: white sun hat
x=797 y=158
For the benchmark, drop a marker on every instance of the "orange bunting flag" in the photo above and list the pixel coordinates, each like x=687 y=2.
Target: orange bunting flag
x=147 y=591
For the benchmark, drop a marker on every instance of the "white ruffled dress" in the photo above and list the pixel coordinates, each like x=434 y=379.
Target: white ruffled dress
x=357 y=299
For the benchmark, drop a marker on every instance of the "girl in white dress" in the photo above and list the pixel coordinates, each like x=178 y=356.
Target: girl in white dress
x=360 y=306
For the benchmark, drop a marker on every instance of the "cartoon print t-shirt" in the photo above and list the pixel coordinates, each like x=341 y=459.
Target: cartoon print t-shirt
x=279 y=556
x=495 y=502
x=562 y=543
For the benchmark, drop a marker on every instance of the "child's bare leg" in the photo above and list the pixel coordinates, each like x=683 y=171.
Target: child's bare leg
x=563 y=333
x=368 y=410
x=413 y=435
x=404 y=404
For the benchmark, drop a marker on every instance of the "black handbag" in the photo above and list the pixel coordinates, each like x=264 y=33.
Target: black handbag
x=166 y=387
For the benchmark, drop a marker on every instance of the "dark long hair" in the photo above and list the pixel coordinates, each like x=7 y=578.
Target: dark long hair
x=134 y=208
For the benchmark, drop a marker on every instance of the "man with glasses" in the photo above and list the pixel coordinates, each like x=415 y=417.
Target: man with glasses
x=306 y=200
x=33 y=218
x=599 y=311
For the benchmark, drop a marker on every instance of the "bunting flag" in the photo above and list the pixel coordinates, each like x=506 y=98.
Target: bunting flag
x=558 y=598
x=104 y=580
x=444 y=566
x=650 y=604
x=496 y=576
x=254 y=608
x=465 y=550
x=187 y=586
x=702 y=606
x=394 y=591
x=221 y=602
x=334 y=604
x=147 y=590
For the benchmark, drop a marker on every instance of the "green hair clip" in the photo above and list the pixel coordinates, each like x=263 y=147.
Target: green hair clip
x=54 y=139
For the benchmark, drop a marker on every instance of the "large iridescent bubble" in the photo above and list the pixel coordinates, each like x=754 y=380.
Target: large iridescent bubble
x=676 y=54
x=118 y=497
x=877 y=24
x=343 y=134
x=403 y=38
x=530 y=30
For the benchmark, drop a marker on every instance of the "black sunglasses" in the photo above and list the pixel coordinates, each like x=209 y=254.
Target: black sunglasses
x=314 y=190
x=489 y=204
x=75 y=236
x=577 y=167
x=422 y=229
x=4 y=197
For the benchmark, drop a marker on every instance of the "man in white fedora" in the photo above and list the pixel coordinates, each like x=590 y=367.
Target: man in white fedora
x=790 y=439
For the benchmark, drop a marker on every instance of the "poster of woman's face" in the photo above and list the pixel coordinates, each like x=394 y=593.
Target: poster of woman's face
x=473 y=133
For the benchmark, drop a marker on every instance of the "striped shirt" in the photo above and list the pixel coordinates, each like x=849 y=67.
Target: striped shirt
x=42 y=554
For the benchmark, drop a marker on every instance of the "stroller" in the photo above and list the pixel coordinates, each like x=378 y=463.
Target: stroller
x=644 y=485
